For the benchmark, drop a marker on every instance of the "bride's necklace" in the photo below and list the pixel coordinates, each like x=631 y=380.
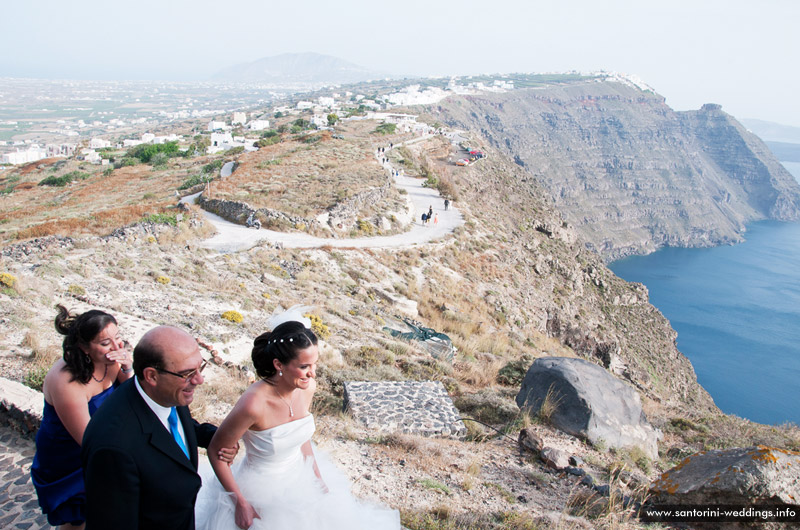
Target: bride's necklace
x=288 y=403
x=105 y=373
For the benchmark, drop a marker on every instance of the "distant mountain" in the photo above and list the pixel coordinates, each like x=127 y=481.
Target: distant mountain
x=298 y=68
x=773 y=132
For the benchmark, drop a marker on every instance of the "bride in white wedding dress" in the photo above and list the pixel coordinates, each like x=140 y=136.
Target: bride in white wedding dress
x=282 y=483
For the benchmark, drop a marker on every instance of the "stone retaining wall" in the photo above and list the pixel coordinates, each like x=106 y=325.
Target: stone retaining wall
x=238 y=212
x=20 y=407
x=344 y=213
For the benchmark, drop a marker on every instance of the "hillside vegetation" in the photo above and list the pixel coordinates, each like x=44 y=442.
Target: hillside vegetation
x=516 y=282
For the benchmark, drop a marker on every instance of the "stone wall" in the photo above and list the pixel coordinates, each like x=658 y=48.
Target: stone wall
x=238 y=212
x=340 y=216
x=20 y=407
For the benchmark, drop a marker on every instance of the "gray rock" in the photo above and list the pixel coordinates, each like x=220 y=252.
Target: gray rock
x=530 y=441
x=555 y=458
x=589 y=403
x=762 y=475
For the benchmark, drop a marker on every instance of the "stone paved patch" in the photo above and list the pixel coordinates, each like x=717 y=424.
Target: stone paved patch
x=19 y=508
x=409 y=407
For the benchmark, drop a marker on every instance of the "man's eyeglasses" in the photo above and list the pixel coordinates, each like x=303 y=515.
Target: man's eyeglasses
x=186 y=376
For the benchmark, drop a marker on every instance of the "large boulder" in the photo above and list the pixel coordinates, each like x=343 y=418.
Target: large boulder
x=741 y=476
x=587 y=401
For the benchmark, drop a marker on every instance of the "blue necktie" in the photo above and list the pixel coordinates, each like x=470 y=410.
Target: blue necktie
x=173 y=427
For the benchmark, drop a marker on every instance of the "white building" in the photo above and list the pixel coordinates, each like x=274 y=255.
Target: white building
x=326 y=101
x=32 y=154
x=99 y=143
x=216 y=125
x=165 y=139
x=303 y=105
x=60 y=150
x=91 y=156
x=239 y=118
x=258 y=125
x=392 y=117
x=147 y=138
x=319 y=121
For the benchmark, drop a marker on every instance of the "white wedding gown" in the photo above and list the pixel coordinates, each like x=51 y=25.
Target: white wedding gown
x=282 y=487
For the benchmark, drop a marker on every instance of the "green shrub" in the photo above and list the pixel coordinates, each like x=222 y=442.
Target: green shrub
x=63 y=180
x=514 y=372
x=192 y=181
x=146 y=152
x=214 y=167
x=386 y=128
x=161 y=218
x=35 y=377
x=126 y=161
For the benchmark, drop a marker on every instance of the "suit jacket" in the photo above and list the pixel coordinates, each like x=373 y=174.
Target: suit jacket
x=136 y=475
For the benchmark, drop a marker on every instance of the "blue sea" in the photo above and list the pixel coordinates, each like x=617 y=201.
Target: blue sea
x=737 y=313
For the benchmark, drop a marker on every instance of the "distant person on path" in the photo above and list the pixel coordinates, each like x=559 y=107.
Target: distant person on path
x=424 y=218
x=446 y=204
x=436 y=219
x=140 y=449
x=430 y=212
x=94 y=362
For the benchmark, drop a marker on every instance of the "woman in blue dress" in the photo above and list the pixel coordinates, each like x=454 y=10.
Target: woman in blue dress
x=95 y=361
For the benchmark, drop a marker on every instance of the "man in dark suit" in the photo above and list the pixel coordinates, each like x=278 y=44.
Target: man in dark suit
x=140 y=449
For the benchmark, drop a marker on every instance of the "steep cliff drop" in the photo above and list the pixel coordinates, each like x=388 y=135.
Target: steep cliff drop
x=630 y=173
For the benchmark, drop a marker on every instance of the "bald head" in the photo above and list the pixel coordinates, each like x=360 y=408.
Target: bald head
x=168 y=362
x=161 y=346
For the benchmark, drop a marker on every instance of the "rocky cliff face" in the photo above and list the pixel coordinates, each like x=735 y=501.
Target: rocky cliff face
x=630 y=173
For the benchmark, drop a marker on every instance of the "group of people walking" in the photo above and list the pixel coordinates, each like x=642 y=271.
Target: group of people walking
x=117 y=447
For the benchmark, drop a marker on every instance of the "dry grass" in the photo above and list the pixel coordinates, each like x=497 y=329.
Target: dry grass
x=94 y=206
x=304 y=179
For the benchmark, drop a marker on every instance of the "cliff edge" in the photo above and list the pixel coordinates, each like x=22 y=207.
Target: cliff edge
x=631 y=174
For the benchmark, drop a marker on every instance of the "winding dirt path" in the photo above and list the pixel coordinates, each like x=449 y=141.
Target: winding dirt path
x=232 y=237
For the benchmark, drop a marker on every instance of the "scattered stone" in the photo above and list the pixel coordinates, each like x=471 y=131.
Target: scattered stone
x=530 y=441
x=555 y=458
x=578 y=472
x=753 y=475
x=588 y=402
x=575 y=461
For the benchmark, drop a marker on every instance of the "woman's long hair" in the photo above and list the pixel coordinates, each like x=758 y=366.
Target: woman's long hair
x=282 y=343
x=79 y=331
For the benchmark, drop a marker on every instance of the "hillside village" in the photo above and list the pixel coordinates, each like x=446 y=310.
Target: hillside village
x=510 y=285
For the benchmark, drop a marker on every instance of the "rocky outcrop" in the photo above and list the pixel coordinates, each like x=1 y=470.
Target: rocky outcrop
x=627 y=171
x=585 y=400
x=741 y=476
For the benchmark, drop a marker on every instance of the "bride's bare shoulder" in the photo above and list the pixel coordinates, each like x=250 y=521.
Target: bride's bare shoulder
x=253 y=399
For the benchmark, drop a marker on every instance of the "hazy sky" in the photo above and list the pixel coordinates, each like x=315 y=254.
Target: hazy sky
x=740 y=54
